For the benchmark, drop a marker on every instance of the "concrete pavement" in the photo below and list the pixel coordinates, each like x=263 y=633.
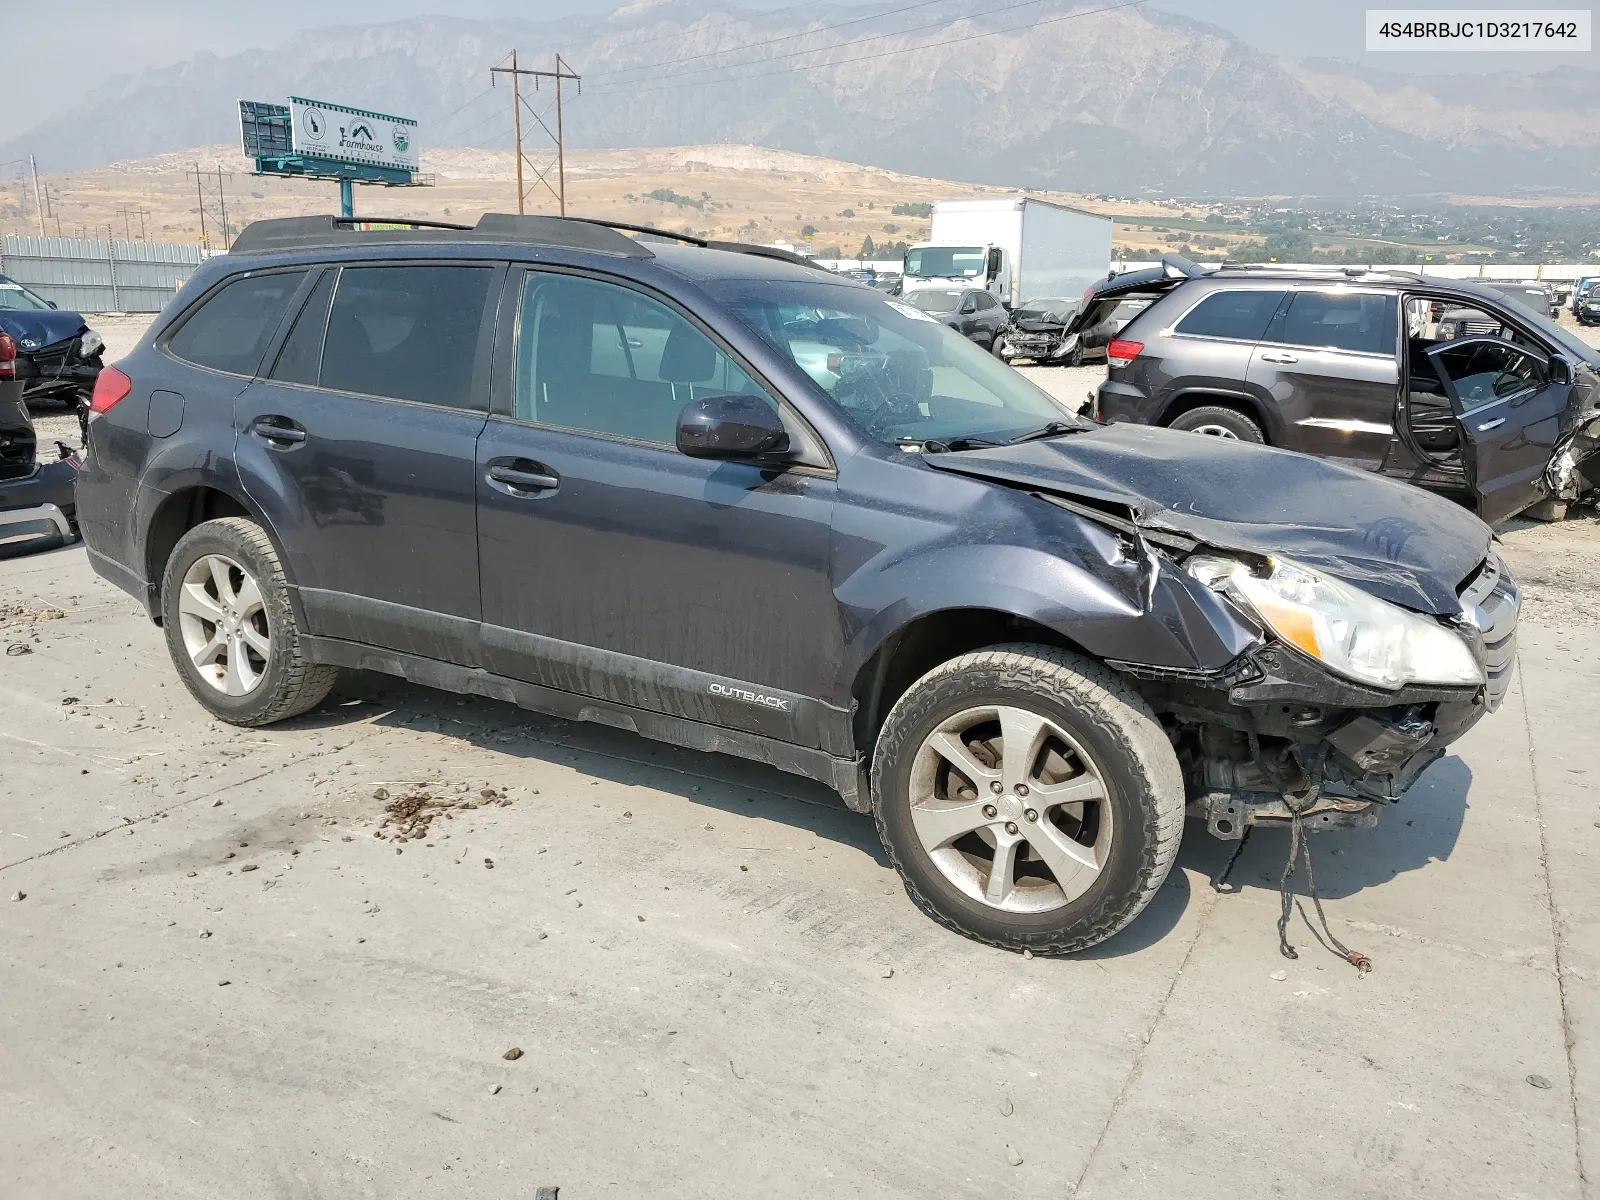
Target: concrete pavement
x=718 y=985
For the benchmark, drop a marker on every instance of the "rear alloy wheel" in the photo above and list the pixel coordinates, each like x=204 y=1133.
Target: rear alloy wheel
x=1028 y=798
x=231 y=630
x=223 y=623
x=1216 y=421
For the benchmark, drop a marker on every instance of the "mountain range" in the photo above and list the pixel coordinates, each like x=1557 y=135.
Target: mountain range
x=1122 y=100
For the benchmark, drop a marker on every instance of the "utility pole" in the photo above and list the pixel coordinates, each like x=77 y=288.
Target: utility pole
x=561 y=141
x=561 y=72
x=222 y=201
x=200 y=197
x=217 y=202
x=37 y=203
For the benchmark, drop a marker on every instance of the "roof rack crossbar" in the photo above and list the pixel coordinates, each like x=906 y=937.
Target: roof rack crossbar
x=291 y=233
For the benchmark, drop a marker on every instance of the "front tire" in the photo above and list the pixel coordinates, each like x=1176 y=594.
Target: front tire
x=1216 y=421
x=1051 y=849
x=231 y=630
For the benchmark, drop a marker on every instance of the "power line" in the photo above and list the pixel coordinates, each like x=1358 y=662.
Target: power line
x=788 y=37
x=497 y=114
x=971 y=37
x=488 y=91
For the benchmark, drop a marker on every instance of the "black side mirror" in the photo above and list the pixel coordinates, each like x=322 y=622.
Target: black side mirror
x=730 y=427
x=969 y=305
x=51 y=303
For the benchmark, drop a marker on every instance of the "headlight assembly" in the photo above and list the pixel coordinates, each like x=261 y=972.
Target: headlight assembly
x=1348 y=631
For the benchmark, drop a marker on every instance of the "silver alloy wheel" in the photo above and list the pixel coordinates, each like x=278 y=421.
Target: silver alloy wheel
x=1221 y=431
x=1011 y=809
x=223 y=620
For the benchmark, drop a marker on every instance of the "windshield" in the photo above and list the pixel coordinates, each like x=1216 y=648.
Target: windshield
x=935 y=302
x=1568 y=341
x=15 y=296
x=900 y=374
x=945 y=262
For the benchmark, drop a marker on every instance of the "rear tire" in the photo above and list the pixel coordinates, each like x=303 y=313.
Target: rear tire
x=231 y=630
x=1061 y=862
x=1213 y=420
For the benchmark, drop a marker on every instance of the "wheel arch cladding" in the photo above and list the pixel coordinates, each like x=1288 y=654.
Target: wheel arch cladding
x=1105 y=598
x=179 y=512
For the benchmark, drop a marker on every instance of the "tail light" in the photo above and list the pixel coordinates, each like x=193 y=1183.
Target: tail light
x=1120 y=352
x=110 y=386
x=8 y=356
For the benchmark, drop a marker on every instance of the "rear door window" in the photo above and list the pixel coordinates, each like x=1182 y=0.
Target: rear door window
x=1239 y=314
x=230 y=330
x=300 y=360
x=1363 y=322
x=407 y=333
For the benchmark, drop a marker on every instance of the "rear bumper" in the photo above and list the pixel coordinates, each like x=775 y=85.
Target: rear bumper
x=40 y=508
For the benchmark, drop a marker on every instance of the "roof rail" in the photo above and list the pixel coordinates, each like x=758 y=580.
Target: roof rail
x=289 y=233
x=576 y=233
x=773 y=252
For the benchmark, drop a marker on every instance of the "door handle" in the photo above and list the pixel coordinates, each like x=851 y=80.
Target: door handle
x=526 y=478
x=1275 y=357
x=278 y=429
x=1494 y=424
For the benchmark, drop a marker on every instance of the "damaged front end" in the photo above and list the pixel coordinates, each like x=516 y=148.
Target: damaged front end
x=1338 y=631
x=1039 y=341
x=1280 y=734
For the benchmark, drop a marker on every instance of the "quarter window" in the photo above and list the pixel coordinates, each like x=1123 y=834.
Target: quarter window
x=230 y=331
x=1240 y=314
x=1484 y=372
x=1337 y=321
x=406 y=333
x=605 y=359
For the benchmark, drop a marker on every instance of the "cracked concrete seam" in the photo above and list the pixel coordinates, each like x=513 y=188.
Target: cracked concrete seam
x=1143 y=1052
x=372 y=729
x=1556 y=939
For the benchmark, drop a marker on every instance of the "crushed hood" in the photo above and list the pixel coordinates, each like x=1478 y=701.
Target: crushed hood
x=1393 y=540
x=48 y=327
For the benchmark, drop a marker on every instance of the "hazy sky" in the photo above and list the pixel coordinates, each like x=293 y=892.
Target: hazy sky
x=123 y=36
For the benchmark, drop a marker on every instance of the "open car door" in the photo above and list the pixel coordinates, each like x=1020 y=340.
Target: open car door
x=1509 y=401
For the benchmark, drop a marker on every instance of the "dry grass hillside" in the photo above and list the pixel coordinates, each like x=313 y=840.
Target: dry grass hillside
x=747 y=192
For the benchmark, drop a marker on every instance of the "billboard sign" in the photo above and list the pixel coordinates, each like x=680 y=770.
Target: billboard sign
x=264 y=129
x=352 y=135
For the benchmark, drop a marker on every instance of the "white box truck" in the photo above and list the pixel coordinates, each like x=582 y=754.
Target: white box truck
x=1017 y=248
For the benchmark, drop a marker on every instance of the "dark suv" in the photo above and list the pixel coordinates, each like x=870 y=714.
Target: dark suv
x=724 y=499
x=1440 y=382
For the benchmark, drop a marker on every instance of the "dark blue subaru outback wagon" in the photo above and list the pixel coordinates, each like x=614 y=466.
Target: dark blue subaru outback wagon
x=712 y=494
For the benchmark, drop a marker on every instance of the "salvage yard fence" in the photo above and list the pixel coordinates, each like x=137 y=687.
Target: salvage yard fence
x=88 y=275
